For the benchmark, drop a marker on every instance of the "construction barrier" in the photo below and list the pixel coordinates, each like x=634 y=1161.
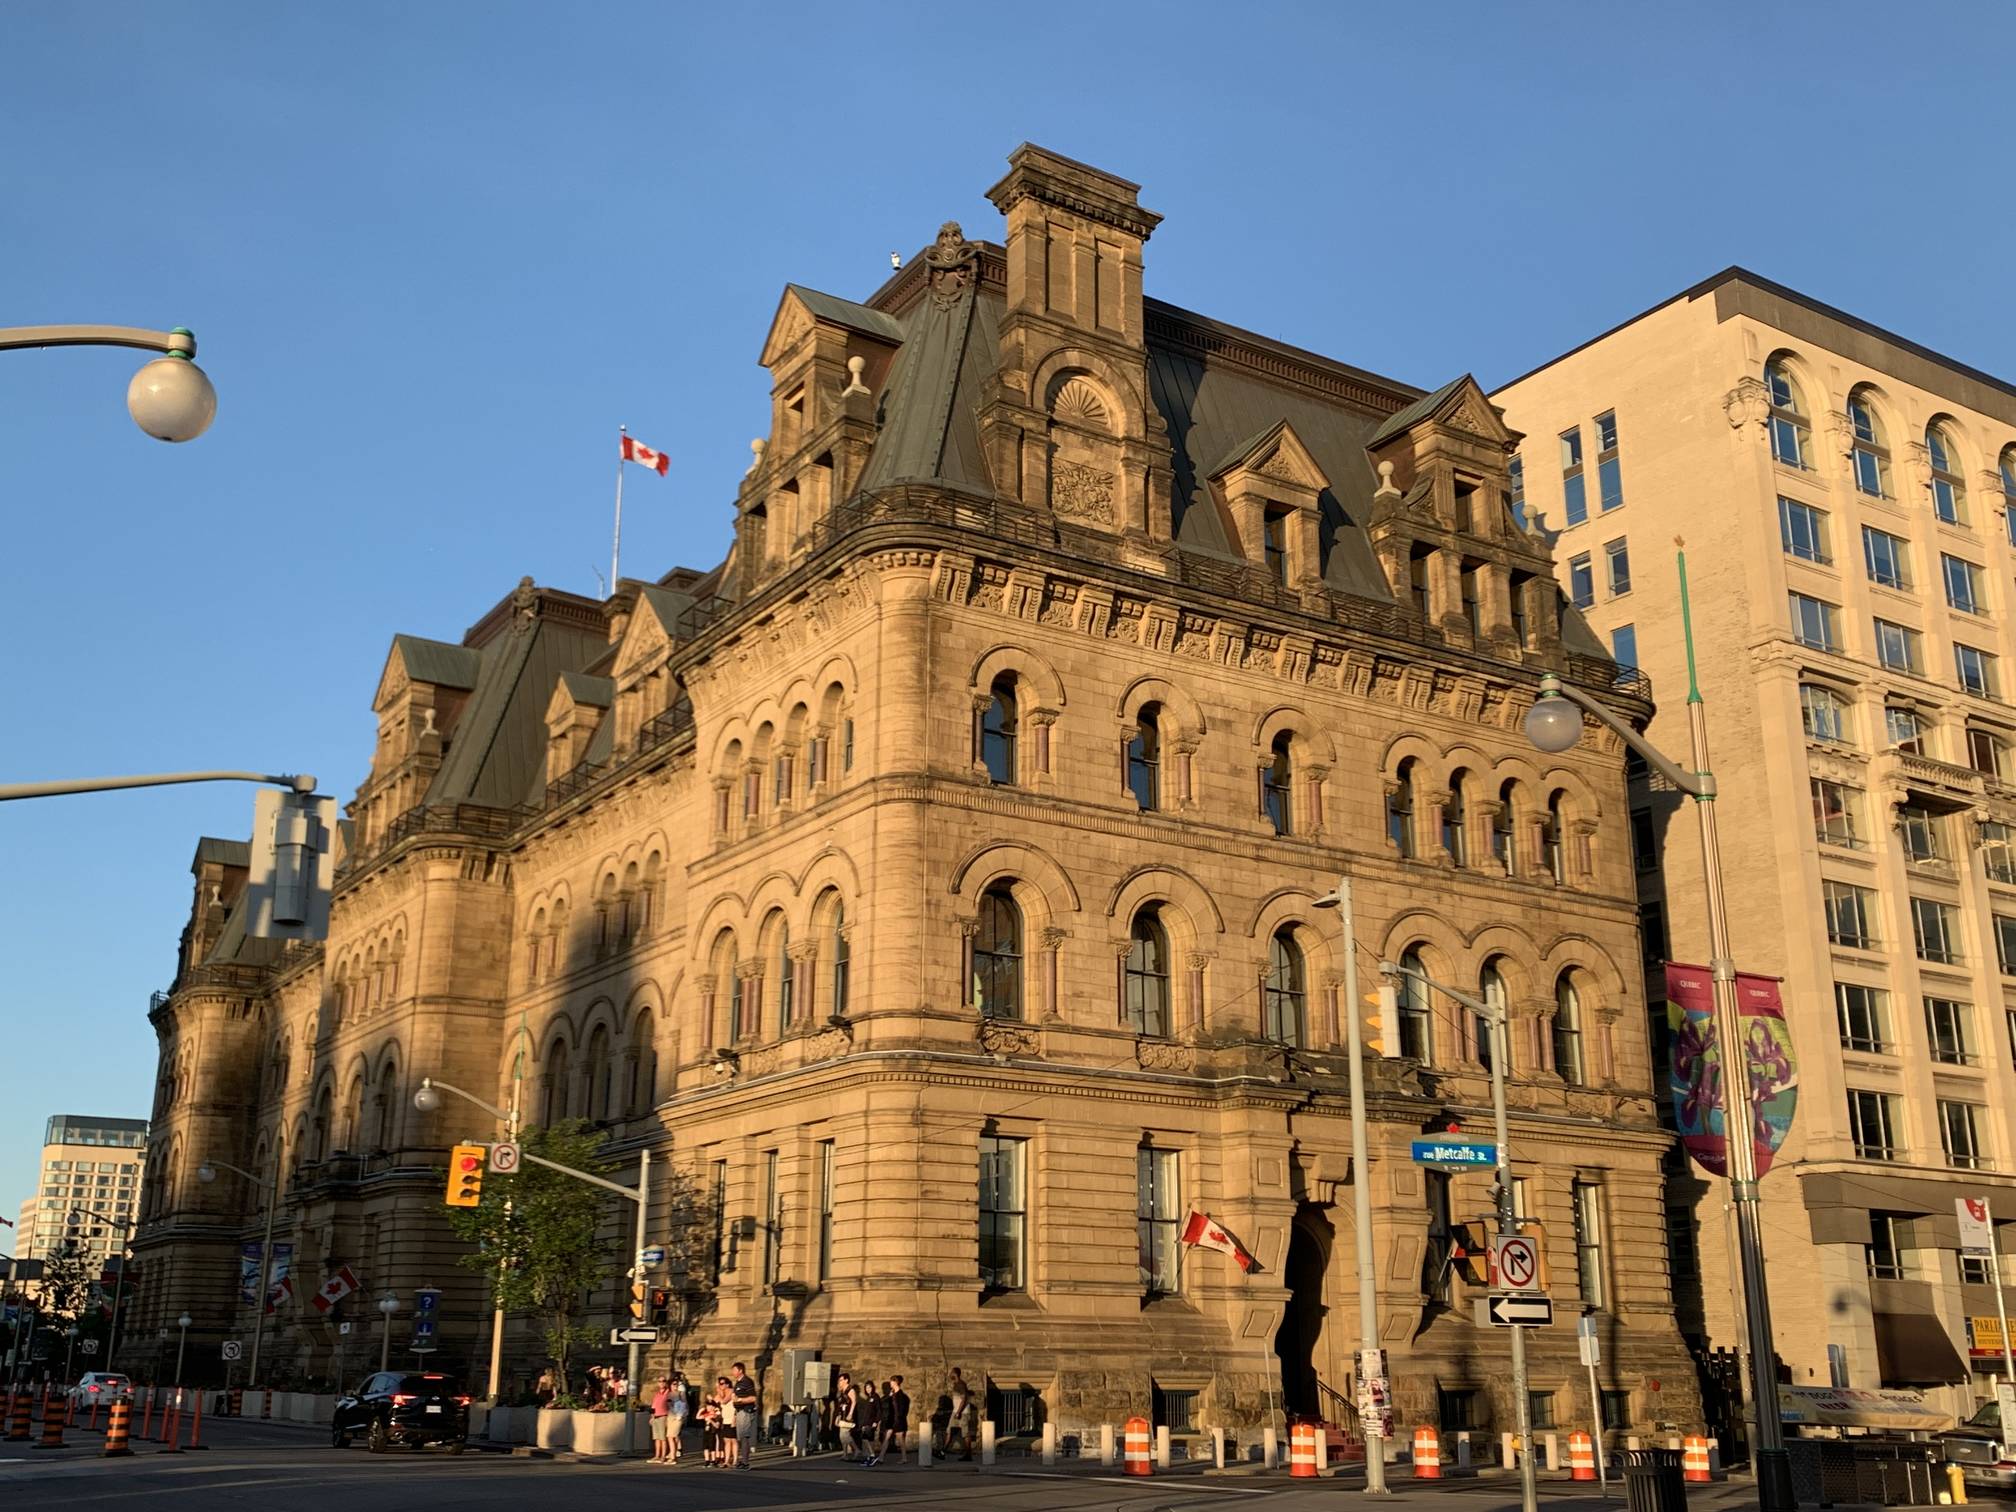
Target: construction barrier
x=52 y=1423
x=20 y=1412
x=1581 y=1457
x=91 y=1422
x=171 y=1423
x=1302 y=1451
x=1694 y=1459
x=69 y=1410
x=1427 y=1454
x=196 y=1425
x=1139 y=1456
x=235 y=1406
x=266 y=1403
x=117 y=1417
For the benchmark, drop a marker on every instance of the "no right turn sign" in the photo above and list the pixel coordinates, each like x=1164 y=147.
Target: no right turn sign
x=1515 y=1260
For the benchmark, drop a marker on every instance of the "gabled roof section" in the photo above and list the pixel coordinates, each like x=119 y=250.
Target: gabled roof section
x=654 y=626
x=800 y=307
x=415 y=659
x=212 y=851
x=588 y=692
x=235 y=947
x=1461 y=404
x=1279 y=453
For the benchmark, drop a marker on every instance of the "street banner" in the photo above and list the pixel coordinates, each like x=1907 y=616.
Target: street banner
x=248 y=1273
x=1696 y=1072
x=1977 y=1233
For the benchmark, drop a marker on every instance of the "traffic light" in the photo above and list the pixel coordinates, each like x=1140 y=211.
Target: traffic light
x=465 y=1175
x=292 y=867
x=638 y=1292
x=661 y=1303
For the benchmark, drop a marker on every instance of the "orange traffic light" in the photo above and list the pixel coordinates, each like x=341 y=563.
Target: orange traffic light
x=465 y=1175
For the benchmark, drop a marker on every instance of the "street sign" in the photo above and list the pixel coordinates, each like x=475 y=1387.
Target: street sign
x=1523 y=1311
x=1587 y=1344
x=87 y=1346
x=651 y=1254
x=233 y=1350
x=1454 y=1154
x=504 y=1158
x=1515 y=1262
x=633 y=1336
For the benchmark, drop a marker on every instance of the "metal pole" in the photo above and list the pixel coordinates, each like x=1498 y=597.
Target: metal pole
x=1361 y=1185
x=1596 y=1424
x=98 y=335
x=181 y=1343
x=637 y=1278
x=616 y=546
x=1508 y=1223
x=119 y=1290
x=1995 y=1274
x=265 y=1273
x=385 y=1339
x=503 y=1260
x=299 y=783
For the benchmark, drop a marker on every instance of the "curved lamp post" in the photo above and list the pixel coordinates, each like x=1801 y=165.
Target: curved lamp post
x=170 y=398
x=181 y=1344
x=387 y=1306
x=125 y=1227
x=207 y=1173
x=1554 y=724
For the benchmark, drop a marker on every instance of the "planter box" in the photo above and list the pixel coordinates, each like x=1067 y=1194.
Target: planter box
x=600 y=1432
x=555 y=1428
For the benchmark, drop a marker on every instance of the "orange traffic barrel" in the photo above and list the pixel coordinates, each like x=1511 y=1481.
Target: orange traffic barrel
x=1139 y=1455
x=117 y=1418
x=1302 y=1451
x=1694 y=1458
x=1581 y=1457
x=1427 y=1454
x=53 y=1412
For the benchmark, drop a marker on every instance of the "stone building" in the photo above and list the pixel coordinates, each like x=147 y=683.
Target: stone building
x=87 y=1194
x=1845 y=495
x=932 y=883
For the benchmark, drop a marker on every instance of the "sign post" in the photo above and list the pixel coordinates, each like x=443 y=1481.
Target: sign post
x=1977 y=1239
x=1591 y=1349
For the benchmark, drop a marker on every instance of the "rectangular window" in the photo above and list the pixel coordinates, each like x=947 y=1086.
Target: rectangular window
x=1987 y=754
x=1997 y=844
x=1540 y=1409
x=1851 y=915
x=1644 y=841
x=1935 y=932
x=1616 y=1411
x=1921 y=833
x=1573 y=484
x=1884 y=1255
x=1823 y=713
x=1515 y=492
x=1869 y=1124
x=1609 y=471
x=1897 y=648
x=847 y=745
x=2005 y=944
x=1975 y=670
x=1963 y=584
x=1617 y=565
x=1903 y=730
x=1581 y=581
x=720 y=1204
x=1837 y=811
x=1274 y=542
x=1948 y=1032
x=1652 y=933
x=1002 y=1213
x=1960 y=1135
x=826 y=1155
x=1803 y=530
x=1587 y=1199
x=1624 y=645
x=1456 y=1411
x=1863 y=1014
x=1416 y=1021
x=2009 y=1025
x=1815 y=623
x=1886 y=557
x=1158 y=1216
x=1974 y=1270
x=773 y=1219
x=1435 y=1255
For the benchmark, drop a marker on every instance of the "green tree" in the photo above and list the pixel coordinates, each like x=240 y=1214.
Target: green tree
x=66 y=1286
x=546 y=1253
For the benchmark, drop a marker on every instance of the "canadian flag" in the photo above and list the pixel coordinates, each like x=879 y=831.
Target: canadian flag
x=1201 y=1232
x=636 y=451
x=335 y=1289
x=279 y=1292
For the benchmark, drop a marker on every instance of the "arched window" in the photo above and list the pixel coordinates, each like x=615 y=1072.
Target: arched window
x=324 y=1110
x=1144 y=757
x=1503 y=851
x=643 y=1092
x=596 y=1088
x=388 y=1105
x=840 y=960
x=997 y=955
x=1146 y=1005
x=1553 y=852
x=1285 y=997
x=1568 y=1028
x=352 y=1133
x=1791 y=432
x=1823 y=712
x=1417 y=1017
x=1491 y=988
x=730 y=971
x=1949 y=492
x=1277 y=781
x=1870 y=454
x=997 y=731
x=1455 y=822
x=782 y=964
x=558 y=1069
x=1400 y=810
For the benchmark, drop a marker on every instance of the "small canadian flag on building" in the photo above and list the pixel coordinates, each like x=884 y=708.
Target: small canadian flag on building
x=636 y=451
x=335 y=1289
x=279 y=1292
x=1200 y=1232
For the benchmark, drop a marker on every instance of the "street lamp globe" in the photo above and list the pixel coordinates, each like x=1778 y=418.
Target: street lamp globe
x=389 y=1303
x=184 y=1321
x=426 y=1099
x=171 y=399
x=1553 y=724
x=206 y=1173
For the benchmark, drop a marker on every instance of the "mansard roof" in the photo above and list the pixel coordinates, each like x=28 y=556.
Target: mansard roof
x=437 y=662
x=211 y=850
x=931 y=405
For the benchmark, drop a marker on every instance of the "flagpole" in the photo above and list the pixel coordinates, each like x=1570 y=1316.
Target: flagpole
x=616 y=545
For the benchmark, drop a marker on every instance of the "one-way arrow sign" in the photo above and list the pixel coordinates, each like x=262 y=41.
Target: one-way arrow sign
x=1515 y=1312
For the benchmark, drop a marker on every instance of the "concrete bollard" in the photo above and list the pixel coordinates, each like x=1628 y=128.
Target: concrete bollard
x=1217 y=1448
x=1049 y=1443
x=1463 y=1450
x=1673 y=1442
x=1633 y=1442
x=1506 y=1455
x=1270 y=1448
x=987 y=1442
x=1551 y=1451
x=1105 y=1443
x=923 y=1447
x=1322 y=1449
x=1162 y=1447
x=1715 y=1458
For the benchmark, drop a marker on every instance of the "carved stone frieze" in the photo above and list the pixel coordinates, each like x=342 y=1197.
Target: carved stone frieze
x=1164 y=1055
x=1081 y=492
x=999 y=1038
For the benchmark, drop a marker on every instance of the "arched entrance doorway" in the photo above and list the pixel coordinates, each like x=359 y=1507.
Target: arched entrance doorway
x=1302 y=1321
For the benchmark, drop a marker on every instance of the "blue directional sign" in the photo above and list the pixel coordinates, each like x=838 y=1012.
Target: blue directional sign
x=1454 y=1154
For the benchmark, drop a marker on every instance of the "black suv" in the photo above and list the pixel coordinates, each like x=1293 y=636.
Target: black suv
x=395 y=1407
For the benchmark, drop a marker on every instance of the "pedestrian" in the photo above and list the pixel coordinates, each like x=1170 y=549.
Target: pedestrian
x=676 y=1409
x=867 y=1422
x=731 y=1435
x=747 y=1404
x=661 y=1422
x=895 y=1418
x=844 y=1400
x=710 y=1431
x=960 y=1423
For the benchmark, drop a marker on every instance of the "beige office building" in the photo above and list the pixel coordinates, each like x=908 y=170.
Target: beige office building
x=1845 y=498
x=89 y=1191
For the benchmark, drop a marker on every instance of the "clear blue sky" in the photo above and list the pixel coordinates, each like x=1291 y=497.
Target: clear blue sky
x=436 y=253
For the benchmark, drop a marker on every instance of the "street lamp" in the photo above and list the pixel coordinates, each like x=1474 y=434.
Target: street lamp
x=181 y=1344
x=69 y=1352
x=170 y=398
x=207 y=1173
x=1554 y=724
x=125 y=1226
x=387 y=1305
x=1361 y=1193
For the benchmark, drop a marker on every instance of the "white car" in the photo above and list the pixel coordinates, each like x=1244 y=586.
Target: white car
x=101 y=1386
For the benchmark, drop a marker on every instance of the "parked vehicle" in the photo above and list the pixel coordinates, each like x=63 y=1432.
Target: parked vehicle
x=1978 y=1448
x=403 y=1407
x=101 y=1386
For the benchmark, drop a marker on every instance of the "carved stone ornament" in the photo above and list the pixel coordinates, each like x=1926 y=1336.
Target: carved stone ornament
x=998 y=1038
x=952 y=264
x=524 y=606
x=1749 y=403
x=1079 y=492
x=761 y=1062
x=1078 y=403
x=829 y=1044
x=1281 y=466
x=1164 y=1055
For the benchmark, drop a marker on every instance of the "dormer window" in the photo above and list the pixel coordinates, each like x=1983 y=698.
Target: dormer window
x=1274 y=539
x=1466 y=506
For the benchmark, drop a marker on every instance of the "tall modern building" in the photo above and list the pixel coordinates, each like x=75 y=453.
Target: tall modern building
x=1845 y=497
x=88 y=1196
x=932 y=886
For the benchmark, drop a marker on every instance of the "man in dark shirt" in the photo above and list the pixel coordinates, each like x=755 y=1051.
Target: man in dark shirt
x=744 y=1386
x=895 y=1419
